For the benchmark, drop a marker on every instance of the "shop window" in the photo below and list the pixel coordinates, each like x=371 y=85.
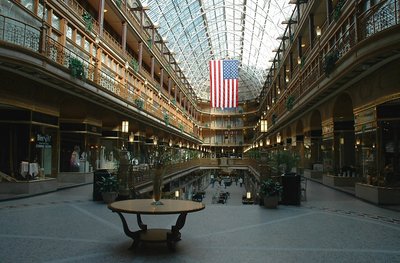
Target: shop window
x=366 y=160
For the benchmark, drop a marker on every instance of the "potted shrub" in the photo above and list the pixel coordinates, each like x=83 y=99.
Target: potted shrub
x=284 y=161
x=109 y=188
x=270 y=191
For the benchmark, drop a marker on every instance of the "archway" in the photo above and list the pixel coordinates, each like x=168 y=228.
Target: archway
x=344 y=139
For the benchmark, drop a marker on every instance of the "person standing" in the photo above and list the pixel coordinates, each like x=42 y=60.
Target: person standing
x=241 y=181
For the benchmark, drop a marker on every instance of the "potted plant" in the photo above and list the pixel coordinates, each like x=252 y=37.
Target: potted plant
x=270 y=190
x=284 y=161
x=109 y=188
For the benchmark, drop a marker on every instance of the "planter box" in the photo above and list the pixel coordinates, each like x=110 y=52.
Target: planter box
x=313 y=174
x=378 y=194
x=29 y=187
x=76 y=178
x=332 y=180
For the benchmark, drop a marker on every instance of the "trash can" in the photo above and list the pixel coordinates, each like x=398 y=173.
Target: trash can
x=291 y=192
x=96 y=187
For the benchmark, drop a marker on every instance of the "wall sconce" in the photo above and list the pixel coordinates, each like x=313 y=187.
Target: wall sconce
x=126 y=65
x=261 y=143
x=125 y=126
x=131 y=137
x=170 y=143
x=278 y=138
x=299 y=60
x=180 y=144
x=177 y=194
x=248 y=195
x=234 y=150
x=287 y=79
x=318 y=31
x=268 y=141
x=279 y=90
x=222 y=150
x=358 y=141
x=341 y=140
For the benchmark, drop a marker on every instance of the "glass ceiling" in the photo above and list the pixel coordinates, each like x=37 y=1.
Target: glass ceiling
x=202 y=30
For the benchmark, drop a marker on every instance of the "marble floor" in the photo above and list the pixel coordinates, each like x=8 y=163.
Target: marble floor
x=331 y=226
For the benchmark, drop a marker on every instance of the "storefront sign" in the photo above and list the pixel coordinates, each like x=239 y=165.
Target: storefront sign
x=365 y=120
x=43 y=141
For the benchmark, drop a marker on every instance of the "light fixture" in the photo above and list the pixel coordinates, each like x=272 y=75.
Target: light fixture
x=318 y=31
x=341 y=140
x=248 y=195
x=131 y=137
x=170 y=143
x=177 y=194
x=261 y=143
x=287 y=79
x=125 y=126
x=299 y=60
x=358 y=141
x=126 y=65
x=278 y=138
x=279 y=90
x=264 y=125
x=268 y=141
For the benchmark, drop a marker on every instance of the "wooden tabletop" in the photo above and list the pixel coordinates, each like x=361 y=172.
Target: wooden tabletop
x=144 y=206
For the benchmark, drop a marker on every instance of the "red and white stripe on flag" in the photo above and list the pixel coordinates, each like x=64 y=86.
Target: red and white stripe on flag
x=223 y=85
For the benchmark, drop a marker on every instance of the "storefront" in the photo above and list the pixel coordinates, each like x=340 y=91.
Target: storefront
x=29 y=144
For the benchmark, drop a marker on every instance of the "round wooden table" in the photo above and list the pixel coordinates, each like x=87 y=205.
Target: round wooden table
x=145 y=207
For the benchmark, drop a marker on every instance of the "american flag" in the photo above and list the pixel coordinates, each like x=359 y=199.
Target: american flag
x=224 y=75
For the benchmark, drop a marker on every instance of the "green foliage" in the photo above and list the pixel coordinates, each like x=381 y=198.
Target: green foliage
x=162 y=156
x=290 y=102
x=139 y=103
x=273 y=118
x=108 y=184
x=338 y=10
x=270 y=187
x=88 y=21
x=330 y=61
x=135 y=65
x=284 y=161
x=166 y=118
x=181 y=127
x=76 y=68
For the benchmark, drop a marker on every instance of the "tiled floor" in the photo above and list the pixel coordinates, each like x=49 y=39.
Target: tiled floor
x=66 y=226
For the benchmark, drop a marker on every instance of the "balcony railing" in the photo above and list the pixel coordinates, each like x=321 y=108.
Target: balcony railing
x=18 y=33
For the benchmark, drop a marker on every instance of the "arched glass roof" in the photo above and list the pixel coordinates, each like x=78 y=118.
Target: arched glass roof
x=201 y=30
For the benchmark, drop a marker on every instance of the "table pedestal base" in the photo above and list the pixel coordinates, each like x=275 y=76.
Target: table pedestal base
x=156 y=235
